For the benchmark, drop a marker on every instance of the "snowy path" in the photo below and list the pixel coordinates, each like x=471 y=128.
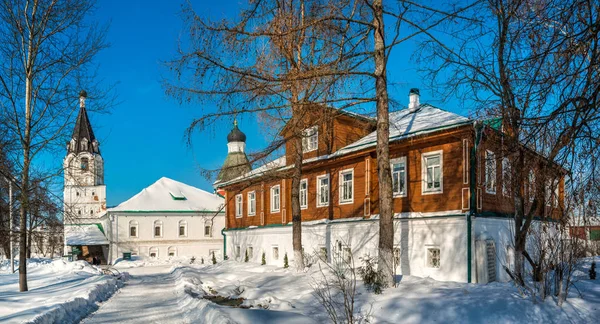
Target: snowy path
x=149 y=296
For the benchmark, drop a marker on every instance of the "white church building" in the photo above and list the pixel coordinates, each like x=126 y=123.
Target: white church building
x=166 y=219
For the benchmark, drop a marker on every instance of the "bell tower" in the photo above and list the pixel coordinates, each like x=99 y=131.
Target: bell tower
x=85 y=192
x=236 y=163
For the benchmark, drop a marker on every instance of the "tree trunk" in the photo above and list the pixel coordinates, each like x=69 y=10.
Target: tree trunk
x=386 y=216
x=296 y=211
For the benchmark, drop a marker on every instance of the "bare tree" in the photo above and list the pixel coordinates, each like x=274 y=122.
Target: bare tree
x=534 y=65
x=47 y=56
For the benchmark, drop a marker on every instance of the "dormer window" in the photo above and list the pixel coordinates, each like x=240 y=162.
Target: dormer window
x=310 y=139
x=84 y=164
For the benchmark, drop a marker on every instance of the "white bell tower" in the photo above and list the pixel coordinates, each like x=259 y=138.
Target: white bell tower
x=85 y=192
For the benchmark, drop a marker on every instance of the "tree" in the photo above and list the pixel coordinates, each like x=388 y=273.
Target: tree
x=533 y=65
x=48 y=50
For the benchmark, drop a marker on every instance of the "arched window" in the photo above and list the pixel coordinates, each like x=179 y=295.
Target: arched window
x=158 y=228
x=85 y=164
x=133 y=228
x=153 y=252
x=172 y=251
x=182 y=228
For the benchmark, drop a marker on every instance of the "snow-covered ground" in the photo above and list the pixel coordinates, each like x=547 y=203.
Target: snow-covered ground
x=59 y=292
x=172 y=292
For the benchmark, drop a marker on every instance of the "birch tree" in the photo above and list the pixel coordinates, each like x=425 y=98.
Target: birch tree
x=46 y=57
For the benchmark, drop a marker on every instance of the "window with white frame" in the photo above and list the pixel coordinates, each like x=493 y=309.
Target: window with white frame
x=346 y=186
x=323 y=190
x=310 y=139
x=275 y=253
x=433 y=258
x=172 y=251
x=153 y=252
x=239 y=205
x=158 y=225
x=506 y=177
x=207 y=230
x=133 y=228
x=323 y=253
x=252 y=203
x=490 y=172
x=304 y=193
x=432 y=174
x=556 y=192
x=531 y=185
x=250 y=251
x=398 y=167
x=275 y=198
x=347 y=254
x=182 y=228
x=237 y=251
x=397 y=256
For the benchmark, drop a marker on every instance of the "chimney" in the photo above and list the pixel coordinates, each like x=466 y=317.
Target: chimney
x=82 y=96
x=414 y=103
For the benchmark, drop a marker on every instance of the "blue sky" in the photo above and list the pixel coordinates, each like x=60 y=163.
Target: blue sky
x=142 y=139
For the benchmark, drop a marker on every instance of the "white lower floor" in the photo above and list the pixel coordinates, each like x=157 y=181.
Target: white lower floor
x=167 y=249
x=433 y=246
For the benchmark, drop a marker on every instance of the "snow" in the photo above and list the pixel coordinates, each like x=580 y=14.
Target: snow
x=170 y=195
x=59 y=291
x=88 y=234
x=172 y=291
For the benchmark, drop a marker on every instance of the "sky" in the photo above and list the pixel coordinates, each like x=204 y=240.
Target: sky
x=142 y=137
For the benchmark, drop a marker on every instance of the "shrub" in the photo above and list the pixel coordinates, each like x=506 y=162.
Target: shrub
x=372 y=278
x=246 y=256
x=285 y=261
x=214 y=258
x=202 y=260
x=264 y=259
x=593 y=271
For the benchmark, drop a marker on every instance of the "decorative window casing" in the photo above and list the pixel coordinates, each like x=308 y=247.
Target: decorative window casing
x=323 y=253
x=275 y=252
x=433 y=258
x=398 y=168
x=133 y=228
x=506 y=177
x=153 y=252
x=172 y=251
x=183 y=228
x=252 y=203
x=158 y=228
x=303 y=193
x=323 y=190
x=239 y=206
x=490 y=172
x=346 y=186
x=432 y=172
x=310 y=139
x=275 y=199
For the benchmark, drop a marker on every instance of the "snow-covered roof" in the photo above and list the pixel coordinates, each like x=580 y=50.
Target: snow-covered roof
x=171 y=196
x=404 y=123
x=88 y=234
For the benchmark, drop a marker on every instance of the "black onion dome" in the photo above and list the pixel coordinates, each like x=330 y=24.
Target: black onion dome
x=236 y=135
x=83 y=93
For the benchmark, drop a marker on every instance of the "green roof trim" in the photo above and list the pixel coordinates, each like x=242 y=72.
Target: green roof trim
x=495 y=123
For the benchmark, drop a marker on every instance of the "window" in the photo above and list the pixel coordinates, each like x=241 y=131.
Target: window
x=432 y=172
x=158 y=228
x=84 y=144
x=133 y=229
x=531 y=186
x=396 y=257
x=303 y=193
x=323 y=253
x=207 y=230
x=84 y=164
x=275 y=198
x=275 y=253
x=239 y=205
x=398 y=167
x=548 y=193
x=323 y=190
x=250 y=251
x=182 y=228
x=237 y=251
x=433 y=258
x=490 y=172
x=310 y=139
x=153 y=252
x=346 y=186
x=506 y=177
x=348 y=255
x=251 y=203
x=556 y=193
x=172 y=251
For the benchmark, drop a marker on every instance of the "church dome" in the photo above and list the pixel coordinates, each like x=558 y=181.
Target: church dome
x=236 y=135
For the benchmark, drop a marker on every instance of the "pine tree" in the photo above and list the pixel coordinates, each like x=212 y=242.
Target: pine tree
x=246 y=257
x=285 y=261
x=214 y=259
x=264 y=259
